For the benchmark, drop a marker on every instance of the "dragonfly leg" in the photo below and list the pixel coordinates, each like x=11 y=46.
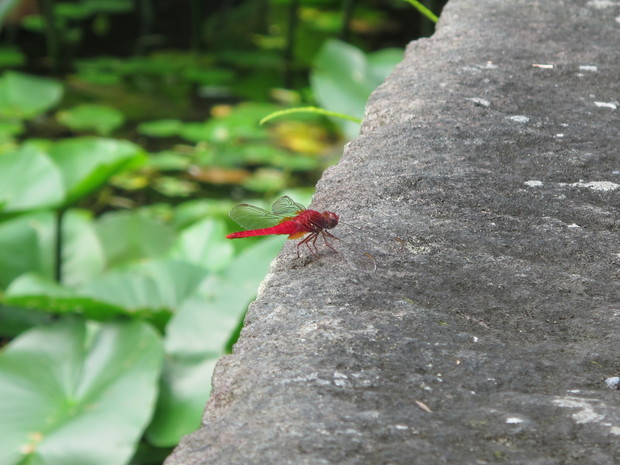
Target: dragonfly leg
x=313 y=242
x=325 y=235
x=310 y=241
x=298 y=245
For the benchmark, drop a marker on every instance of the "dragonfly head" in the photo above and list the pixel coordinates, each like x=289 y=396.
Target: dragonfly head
x=331 y=219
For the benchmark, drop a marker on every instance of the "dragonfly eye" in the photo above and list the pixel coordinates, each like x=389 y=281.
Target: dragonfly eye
x=331 y=220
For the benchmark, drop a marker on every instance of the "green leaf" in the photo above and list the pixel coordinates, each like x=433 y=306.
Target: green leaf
x=27 y=241
x=25 y=96
x=205 y=131
x=87 y=163
x=198 y=335
x=14 y=320
x=169 y=160
x=150 y=291
x=25 y=246
x=85 y=9
x=83 y=256
x=266 y=180
x=160 y=128
x=192 y=211
x=340 y=78
x=241 y=123
x=10 y=129
x=34 y=23
x=172 y=186
x=29 y=180
x=154 y=285
x=204 y=244
x=90 y=117
x=382 y=62
x=74 y=395
x=343 y=78
x=130 y=236
x=183 y=396
x=208 y=76
x=244 y=120
x=32 y=291
x=263 y=154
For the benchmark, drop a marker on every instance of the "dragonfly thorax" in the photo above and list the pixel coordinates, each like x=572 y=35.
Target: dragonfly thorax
x=330 y=219
x=314 y=221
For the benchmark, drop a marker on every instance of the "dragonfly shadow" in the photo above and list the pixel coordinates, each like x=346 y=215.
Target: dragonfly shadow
x=354 y=254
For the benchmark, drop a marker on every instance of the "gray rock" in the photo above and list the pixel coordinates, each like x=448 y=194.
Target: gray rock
x=487 y=176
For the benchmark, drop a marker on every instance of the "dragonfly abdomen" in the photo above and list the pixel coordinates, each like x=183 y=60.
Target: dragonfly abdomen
x=287 y=227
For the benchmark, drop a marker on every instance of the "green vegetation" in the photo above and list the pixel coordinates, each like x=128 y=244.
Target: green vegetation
x=118 y=289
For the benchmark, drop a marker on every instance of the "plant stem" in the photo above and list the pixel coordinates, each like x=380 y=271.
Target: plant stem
x=422 y=9
x=317 y=110
x=347 y=13
x=51 y=34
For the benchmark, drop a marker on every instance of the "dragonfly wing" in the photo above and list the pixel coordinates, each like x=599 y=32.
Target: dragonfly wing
x=251 y=217
x=286 y=207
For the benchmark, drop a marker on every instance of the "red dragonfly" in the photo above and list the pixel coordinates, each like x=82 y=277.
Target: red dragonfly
x=289 y=217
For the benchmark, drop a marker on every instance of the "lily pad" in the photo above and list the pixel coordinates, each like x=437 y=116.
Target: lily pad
x=152 y=286
x=160 y=127
x=101 y=119
x=72 y=393
x=25 y=96
x=29 y=179
x=130 y=236
x=87 y=163
x=199 y=334
x=204 y=244
x=31 y=291
x=25 y=246
x=343 y=78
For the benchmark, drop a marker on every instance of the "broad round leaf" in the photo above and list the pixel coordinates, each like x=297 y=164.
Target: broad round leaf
x=240 y=123
x=10 y=56
x=25 y=246
x=83 y=256
x=130 y=236
x=72 y=395
x=204 y=244
x=27 y=242
x=343 y=78
x=198 y=335
x=32 y=291
x=9 y=129
x=29 y=180
x=155 y=285
x=25 y=96
x=90 y=117
x=340 y=79
x=382 y=62
x=87 y=163
x=160 y=128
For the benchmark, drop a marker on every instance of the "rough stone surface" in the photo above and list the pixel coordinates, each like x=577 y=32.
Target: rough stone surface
x=486 y=335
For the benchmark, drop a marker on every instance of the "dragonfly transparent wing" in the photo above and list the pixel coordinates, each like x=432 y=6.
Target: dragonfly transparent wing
x=251 y=217
x=287 y=207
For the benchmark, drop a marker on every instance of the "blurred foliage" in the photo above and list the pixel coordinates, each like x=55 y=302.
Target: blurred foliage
x=127 y=132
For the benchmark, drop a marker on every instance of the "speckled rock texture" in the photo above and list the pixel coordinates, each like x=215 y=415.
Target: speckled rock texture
x=487 y=179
